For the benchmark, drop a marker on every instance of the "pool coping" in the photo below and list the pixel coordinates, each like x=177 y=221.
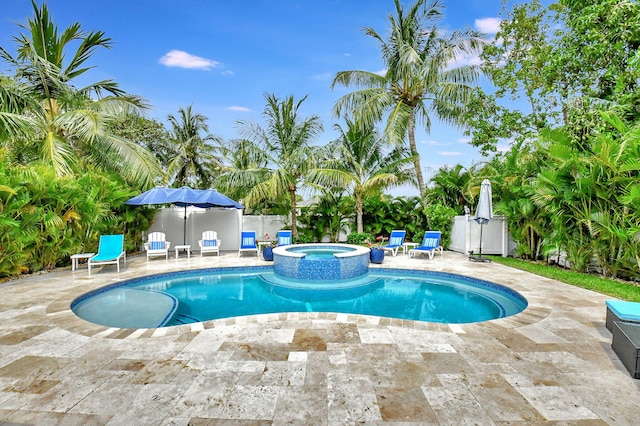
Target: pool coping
x=60 y=314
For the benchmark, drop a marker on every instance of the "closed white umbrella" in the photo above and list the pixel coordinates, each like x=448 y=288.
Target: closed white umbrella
x=484 y=213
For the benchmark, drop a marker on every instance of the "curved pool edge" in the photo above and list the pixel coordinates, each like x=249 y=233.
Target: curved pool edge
x=283 y=316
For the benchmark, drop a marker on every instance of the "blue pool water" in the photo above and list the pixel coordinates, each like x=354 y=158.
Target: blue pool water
x=194 y=296
x=327 y=252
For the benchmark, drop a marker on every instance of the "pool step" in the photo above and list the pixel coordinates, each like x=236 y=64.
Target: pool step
x=185 y=319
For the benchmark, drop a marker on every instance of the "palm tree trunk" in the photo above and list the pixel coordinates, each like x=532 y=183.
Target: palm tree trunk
x=359 y=225
x=416 y=158
x=294 y=213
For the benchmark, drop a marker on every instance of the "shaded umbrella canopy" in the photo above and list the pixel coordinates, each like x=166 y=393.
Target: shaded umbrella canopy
x=484 y=212
x=183 y=197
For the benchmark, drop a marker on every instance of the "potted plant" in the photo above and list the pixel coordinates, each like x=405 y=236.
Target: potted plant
x=376 y=254
x=267 y=251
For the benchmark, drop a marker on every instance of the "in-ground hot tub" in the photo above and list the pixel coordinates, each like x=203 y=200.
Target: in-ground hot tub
x=320 y=261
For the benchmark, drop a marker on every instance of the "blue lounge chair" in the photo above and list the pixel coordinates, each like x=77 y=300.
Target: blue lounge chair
x=396 y=239
x=209 y=243
x=285 y=238
x=110 y=250
x=430 y=244
x=248 y=242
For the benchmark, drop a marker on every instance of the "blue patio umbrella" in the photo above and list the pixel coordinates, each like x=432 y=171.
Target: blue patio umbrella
x=484 y=213
x=183 y=197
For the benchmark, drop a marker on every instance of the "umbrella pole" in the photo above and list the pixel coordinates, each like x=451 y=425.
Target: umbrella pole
x=479 y=258
x=480 y=255
x=184 y=229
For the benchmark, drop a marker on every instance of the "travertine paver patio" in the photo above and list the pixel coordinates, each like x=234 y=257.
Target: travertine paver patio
x=552 y=363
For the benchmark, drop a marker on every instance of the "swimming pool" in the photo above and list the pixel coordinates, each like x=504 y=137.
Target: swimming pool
x=195 y=296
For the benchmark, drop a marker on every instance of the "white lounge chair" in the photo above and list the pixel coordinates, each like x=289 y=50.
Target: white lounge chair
x=209 y=243
x=157 y=245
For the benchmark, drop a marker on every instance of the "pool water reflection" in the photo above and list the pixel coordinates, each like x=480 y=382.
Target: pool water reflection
x=228 y=292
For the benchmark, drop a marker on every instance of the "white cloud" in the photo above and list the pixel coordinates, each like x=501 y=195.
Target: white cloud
x=180 y=59
x=238 y=108
x=488 y=25
x=325 y=76
x=435 y=143
x=464 y=140
x=227 y=72
x=450 y=153
x=381 y=72
x=346 y=54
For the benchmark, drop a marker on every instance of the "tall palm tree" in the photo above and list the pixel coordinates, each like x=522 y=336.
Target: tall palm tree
x=244 y=166
x=286 y=141
x=51 y=119
x=420 y=81
x=361 y=164
x=193 y=158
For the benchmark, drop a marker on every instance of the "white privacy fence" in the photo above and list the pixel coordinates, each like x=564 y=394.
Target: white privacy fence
x=465 y=236
x=228 y=223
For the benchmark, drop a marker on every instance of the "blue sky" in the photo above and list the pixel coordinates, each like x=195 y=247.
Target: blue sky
x=222 y=56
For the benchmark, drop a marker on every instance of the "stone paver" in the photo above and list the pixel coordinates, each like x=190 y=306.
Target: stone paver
x=550 y=364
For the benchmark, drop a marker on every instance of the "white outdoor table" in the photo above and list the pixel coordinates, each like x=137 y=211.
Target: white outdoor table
x=185 y=247
x=408 y=246
x=76 y=257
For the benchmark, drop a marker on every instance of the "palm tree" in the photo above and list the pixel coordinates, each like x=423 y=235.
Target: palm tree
x=361 y=164
x=286 y=141
x=50 y=119
x=420 y=79
x=451 y=187
x=245 y=165
x=193 y=160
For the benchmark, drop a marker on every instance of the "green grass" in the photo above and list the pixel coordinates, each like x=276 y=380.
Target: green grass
x=615 y=288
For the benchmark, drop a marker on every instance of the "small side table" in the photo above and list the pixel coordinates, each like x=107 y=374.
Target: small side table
x=408 y=246
x=185 y=247
x=76 y=257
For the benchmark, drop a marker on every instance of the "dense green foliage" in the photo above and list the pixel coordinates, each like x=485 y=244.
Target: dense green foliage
x=360 y=238
x=440 y=218
x=329 y=216
x=45 y=218
x=569 y=183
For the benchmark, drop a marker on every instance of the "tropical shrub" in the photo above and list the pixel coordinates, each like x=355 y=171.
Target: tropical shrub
x=328 y=217
x=383 y=214
x=303 y=238
x=360 y=238
x=44 y=218
x=440 y=218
